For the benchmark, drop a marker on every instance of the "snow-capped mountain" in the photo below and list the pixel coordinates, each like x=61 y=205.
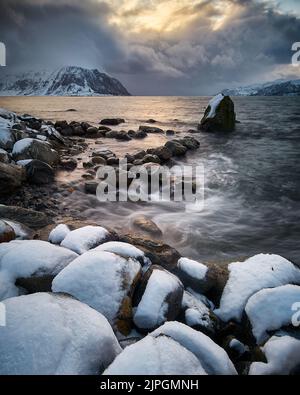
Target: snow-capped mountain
x=66 y=81
x=275 y=88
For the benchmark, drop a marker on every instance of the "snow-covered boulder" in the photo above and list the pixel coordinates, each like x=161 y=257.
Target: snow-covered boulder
x=219 y=115
x=198 y=315
x=58 y=234
x=126 y=250
x=156 y=356
x=31 y=264
x=86 y=238
x=283 y=356
x=105 y=281
x=160 y=299
x=54 y=334
x=212 y=357
x=193 y=274
x=30 y=148
x=246 y=278
x=271 y=309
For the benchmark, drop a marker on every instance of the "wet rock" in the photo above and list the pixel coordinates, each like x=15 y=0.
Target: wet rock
x=112 y=121
x=163 y=153
x=157 y=299
x=32 y=219
x=103 y=153
x=150 y=159
x=131 y=133
x=112 y=161
x=78 y=131
x=7 y=233
x=139 y=155
x=151 y=121
x=4 y=157
x=150 y=129
x=147 y=225
x=39 y=173
x=90 y=187
x=130 y=158
x=141 y=134
x=219 y=115
x=61 y=124
x=104 y=129
x=190 y=142
x=68 y=164
x=98 y=160
x=92 y=131
x=71 y=110
x=88 y=165
x=119 y=135
x=176 y=148
x=158 y=253
x=170 y=132
x=85 y=126
x=11 y=178
x=35 y=149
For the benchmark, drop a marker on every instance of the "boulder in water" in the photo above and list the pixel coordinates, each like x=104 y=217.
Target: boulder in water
x=219 y=115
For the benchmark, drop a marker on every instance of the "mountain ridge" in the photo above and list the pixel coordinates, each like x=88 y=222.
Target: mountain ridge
x=273 y=88
x=64 y=81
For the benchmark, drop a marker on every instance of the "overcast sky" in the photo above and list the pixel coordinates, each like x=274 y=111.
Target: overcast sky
x=156 y=47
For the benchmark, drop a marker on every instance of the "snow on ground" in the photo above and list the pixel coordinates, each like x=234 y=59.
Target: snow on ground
x=214 y=103
x=193 y=268
x=126 y=250
x=54 y=334
x=155 y=356
x=247 y=278
x=97 y=278
x=83 y=239
x=153 y=308
x=212 y=357
x=271 y=309
x=58 y=234
x=26 y=258
x=283 y=355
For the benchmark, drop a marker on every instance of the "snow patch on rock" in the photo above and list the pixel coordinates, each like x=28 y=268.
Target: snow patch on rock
x=246 y=278
x=54 y=334
x=271 y=309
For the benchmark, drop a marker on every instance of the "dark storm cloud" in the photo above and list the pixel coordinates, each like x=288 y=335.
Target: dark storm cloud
x=195 y=58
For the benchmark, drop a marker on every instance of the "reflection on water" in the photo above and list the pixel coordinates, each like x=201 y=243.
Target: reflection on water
x=252 y=175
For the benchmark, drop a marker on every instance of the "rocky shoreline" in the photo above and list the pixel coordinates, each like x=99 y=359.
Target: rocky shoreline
x=81 y=298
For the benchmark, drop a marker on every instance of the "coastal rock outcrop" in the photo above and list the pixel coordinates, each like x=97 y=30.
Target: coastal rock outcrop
x=219 y=115
x=105 y=281
x=57 y=335
x=29 y=148
x=158 y=299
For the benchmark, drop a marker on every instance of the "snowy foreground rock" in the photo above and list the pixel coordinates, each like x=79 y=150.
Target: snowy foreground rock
x=161 y=307
x=271 y=309
x=103 y=280
x=33 y=263
x=247 y=278
x=54 y=334
x=173 y=348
